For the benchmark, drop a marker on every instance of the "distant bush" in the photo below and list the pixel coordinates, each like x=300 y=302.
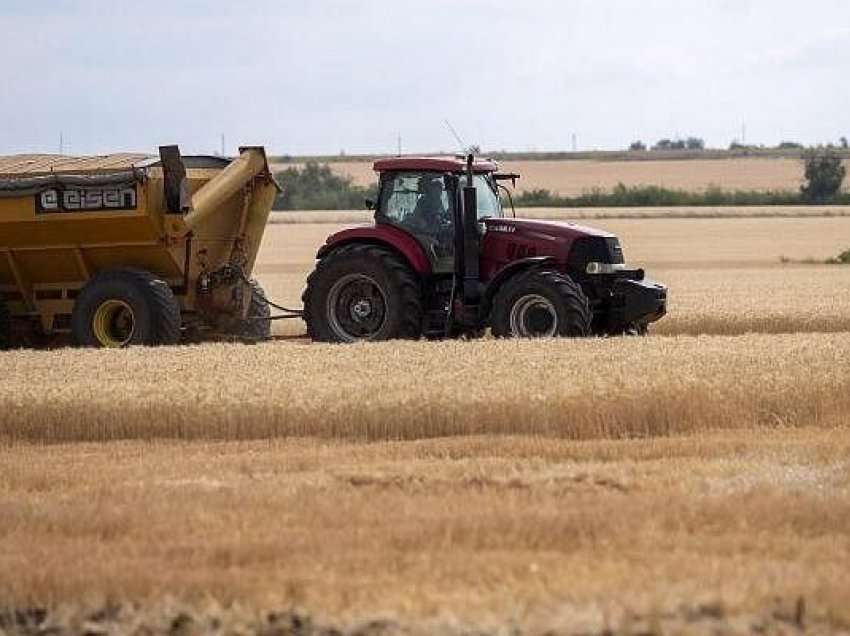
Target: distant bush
x=637 y=146
x=317 y=187
x=657 y=196
x=737 y=146
x=841 y=259
x=695 y=143
x=789 y=145
x=824 y=174
x=669 y=144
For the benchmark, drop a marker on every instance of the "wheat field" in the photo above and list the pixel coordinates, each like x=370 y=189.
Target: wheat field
x=575 y=177
x=694 y=481
x=742 y=531
x=405 y=391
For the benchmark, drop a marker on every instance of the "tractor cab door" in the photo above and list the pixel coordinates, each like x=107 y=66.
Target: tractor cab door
x=421 y=204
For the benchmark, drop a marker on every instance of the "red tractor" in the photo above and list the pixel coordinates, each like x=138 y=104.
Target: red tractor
x=442 y=260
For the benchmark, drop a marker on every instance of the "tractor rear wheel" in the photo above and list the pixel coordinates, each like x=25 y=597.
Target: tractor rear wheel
x=123 y=307
x=541 y=304
x=362 y=292
x=5 y=325
x=257 y=324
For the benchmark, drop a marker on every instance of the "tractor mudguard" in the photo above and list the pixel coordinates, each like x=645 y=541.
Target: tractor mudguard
x=508 y=272
x=387 y=236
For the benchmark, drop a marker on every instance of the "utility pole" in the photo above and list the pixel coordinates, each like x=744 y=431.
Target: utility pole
x=61 y=143
x=575 y=144
x=743 y=133
x=222 y=144
x=399 y=144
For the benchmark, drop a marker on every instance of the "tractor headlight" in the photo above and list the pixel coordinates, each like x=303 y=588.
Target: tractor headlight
x=595 y=267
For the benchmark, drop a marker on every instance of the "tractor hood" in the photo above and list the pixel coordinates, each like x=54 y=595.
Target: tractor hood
x=537 y=229
x=573 y=246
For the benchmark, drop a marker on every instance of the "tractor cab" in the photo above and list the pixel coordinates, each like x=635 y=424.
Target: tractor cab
x=420 y=196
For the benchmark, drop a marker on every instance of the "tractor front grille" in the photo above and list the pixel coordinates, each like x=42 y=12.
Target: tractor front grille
x=600 y=249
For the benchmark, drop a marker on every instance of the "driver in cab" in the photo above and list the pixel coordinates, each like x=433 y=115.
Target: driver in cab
x=430 y=218
x=431 y=212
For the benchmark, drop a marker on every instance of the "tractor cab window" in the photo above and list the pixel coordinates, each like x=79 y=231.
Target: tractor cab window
x=489 y=204
x=416 y=201
x=419 y=203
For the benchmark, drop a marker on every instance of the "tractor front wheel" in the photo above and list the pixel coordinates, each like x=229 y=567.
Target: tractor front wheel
x=362 y=292
x=541 y=304
x=5 y=325
x=123 y=307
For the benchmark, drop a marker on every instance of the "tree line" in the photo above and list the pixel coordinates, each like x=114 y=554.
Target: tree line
x=316 y=187
x=698 y=143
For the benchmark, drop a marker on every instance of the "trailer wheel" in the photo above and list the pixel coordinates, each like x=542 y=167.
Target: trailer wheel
x=256 y=325
x=541 y=304
x=123 y=307
x=5 y=325
x=362 y=292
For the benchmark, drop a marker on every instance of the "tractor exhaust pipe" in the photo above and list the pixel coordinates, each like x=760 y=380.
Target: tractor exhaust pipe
x=465 y=291
x=471 y=238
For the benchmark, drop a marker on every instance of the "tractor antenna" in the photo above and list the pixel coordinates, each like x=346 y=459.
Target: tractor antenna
x=463 y=147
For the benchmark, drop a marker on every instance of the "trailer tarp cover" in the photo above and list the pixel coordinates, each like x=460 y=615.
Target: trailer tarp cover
x=25 y=186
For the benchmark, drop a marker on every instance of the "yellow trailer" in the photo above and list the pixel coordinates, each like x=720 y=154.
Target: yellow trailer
x=132 y=249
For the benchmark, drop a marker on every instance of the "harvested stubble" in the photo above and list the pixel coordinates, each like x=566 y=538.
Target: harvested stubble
x=576 y=389
x=777 y=299
x=724 y=275
x=575 y=177
x=724 y=212
x=652 y=242
x=698 y=533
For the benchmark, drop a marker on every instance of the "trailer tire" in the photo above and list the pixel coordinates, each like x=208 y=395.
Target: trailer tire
x=362 y=292
x=541 y=303
x=256 y=325
x=5 y=325
x=123 y=307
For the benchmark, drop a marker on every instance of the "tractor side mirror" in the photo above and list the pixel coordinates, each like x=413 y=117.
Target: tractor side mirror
x=370 y=204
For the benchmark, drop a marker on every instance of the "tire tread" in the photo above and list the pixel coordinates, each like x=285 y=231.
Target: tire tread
x=165 y=312
x=5 y=325
x=410 y=323
x=578 y=315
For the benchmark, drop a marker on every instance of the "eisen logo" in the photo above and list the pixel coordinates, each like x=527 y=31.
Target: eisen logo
x=86 y=200
x=503 y=228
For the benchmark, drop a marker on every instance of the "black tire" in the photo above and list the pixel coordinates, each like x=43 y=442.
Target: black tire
x=362 y=292
x=256 y=325
x=123 y=307
x=541 y=304
x=5 y=325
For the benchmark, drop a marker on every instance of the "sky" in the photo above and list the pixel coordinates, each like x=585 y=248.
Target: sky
x=330 y=76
